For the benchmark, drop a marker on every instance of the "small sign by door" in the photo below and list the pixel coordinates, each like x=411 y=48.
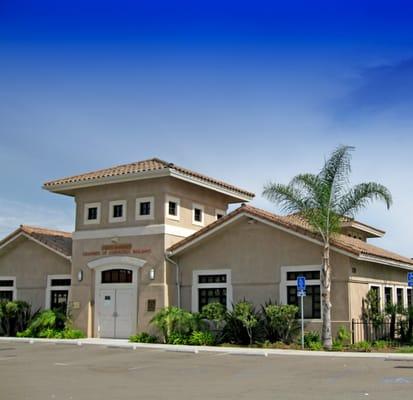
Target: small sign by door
x=106 y=301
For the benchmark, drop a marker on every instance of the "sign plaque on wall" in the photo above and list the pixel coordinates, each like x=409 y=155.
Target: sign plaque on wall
x=118 y=248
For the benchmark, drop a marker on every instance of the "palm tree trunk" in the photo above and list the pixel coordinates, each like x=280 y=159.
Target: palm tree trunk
x=326 y=298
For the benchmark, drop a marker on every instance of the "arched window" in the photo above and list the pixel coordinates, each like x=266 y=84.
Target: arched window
x=117 y=276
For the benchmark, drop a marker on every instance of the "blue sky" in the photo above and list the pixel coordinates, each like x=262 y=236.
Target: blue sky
x=243 y=91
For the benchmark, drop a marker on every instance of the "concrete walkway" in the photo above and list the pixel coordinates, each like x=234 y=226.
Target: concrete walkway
x=124 y=343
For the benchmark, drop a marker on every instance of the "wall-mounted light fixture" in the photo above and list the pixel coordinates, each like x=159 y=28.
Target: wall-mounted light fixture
x=80 y=275
x=152 y=274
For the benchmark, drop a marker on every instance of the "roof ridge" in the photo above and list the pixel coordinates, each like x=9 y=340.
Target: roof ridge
x=38 y=229
x=150 y=167
x=156 y=159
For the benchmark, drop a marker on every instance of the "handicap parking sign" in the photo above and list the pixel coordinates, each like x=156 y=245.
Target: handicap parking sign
x=301 y=286
x=410 y=279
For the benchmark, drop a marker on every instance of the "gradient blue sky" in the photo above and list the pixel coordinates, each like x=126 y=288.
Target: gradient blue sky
x=242 y=91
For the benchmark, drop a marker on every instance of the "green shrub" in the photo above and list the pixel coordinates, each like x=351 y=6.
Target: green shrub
x=312 y=340
x=315 y=346
x=202 y=338
x=178 y=338
x=69 y=333
x=245 y=312
x=343 y=339
x=382 y=344
x=280 y=323
x=362 y=346
x=51 y=324
x=52 y=333
x=214 y=312
x=405 y=349
x=343 y=335
x=391 y=311
x=372 y=308
x=243 y=324
x=337 y=346
x=143 y=337
x=40 y=325
x=405 y=325
x=14 y=317
x=175 y=321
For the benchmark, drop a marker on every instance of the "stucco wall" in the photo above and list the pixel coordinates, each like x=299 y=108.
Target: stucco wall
x=158 y=188
x=30 y=263
x=364 y=274
x=255 y=254
x=149 y=248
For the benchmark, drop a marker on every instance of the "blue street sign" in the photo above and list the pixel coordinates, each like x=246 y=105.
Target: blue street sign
x=410 y=279
x=301 y=283
x=301 y=294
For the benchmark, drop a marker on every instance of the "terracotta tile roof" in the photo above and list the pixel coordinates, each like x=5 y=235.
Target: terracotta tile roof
x=294 y=223
x=57 y=240
x=141 y=167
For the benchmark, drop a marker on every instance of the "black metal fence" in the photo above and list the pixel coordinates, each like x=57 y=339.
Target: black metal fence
x=364 y=330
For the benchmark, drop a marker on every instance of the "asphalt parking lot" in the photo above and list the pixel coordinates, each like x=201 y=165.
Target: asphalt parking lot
x=61 y=371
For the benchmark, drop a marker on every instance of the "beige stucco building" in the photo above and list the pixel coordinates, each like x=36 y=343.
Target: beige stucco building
x=152 y=234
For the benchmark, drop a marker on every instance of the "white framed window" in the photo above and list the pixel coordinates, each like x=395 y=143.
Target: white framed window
x=399 y=296
x=388 y=296
x=409 y=297
x=172 y=208
x=391 y=294
x=117 y=211
x=8 y=288
x=198 y=217
x=378 y=289
x=219 y=213
x=288 y=289
x=91 y=213
x=57 y=292
x=145 y=208
x=211 y=286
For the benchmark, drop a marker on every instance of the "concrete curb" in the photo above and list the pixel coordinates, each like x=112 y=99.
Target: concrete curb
x=120 y=343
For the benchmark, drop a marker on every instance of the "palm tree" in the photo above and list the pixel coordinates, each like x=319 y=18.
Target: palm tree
x=323 y=200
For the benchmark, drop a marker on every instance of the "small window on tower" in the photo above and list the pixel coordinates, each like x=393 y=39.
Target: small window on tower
x=197 y=214
x=91 y=213
x=117 y=211
x=173 y=207
x=145 y=208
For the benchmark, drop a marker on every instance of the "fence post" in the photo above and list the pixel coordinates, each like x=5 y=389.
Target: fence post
x=352 y=331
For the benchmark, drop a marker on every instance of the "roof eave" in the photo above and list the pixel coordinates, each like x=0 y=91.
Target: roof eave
x=372 y=232
x=337 y=249
x=385 y=261
x=20 y=233
x=210 y=185
x=69 y=188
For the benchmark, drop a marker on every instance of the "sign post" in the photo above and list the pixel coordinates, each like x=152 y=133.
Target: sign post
x=410 y=279
x=301 y=293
